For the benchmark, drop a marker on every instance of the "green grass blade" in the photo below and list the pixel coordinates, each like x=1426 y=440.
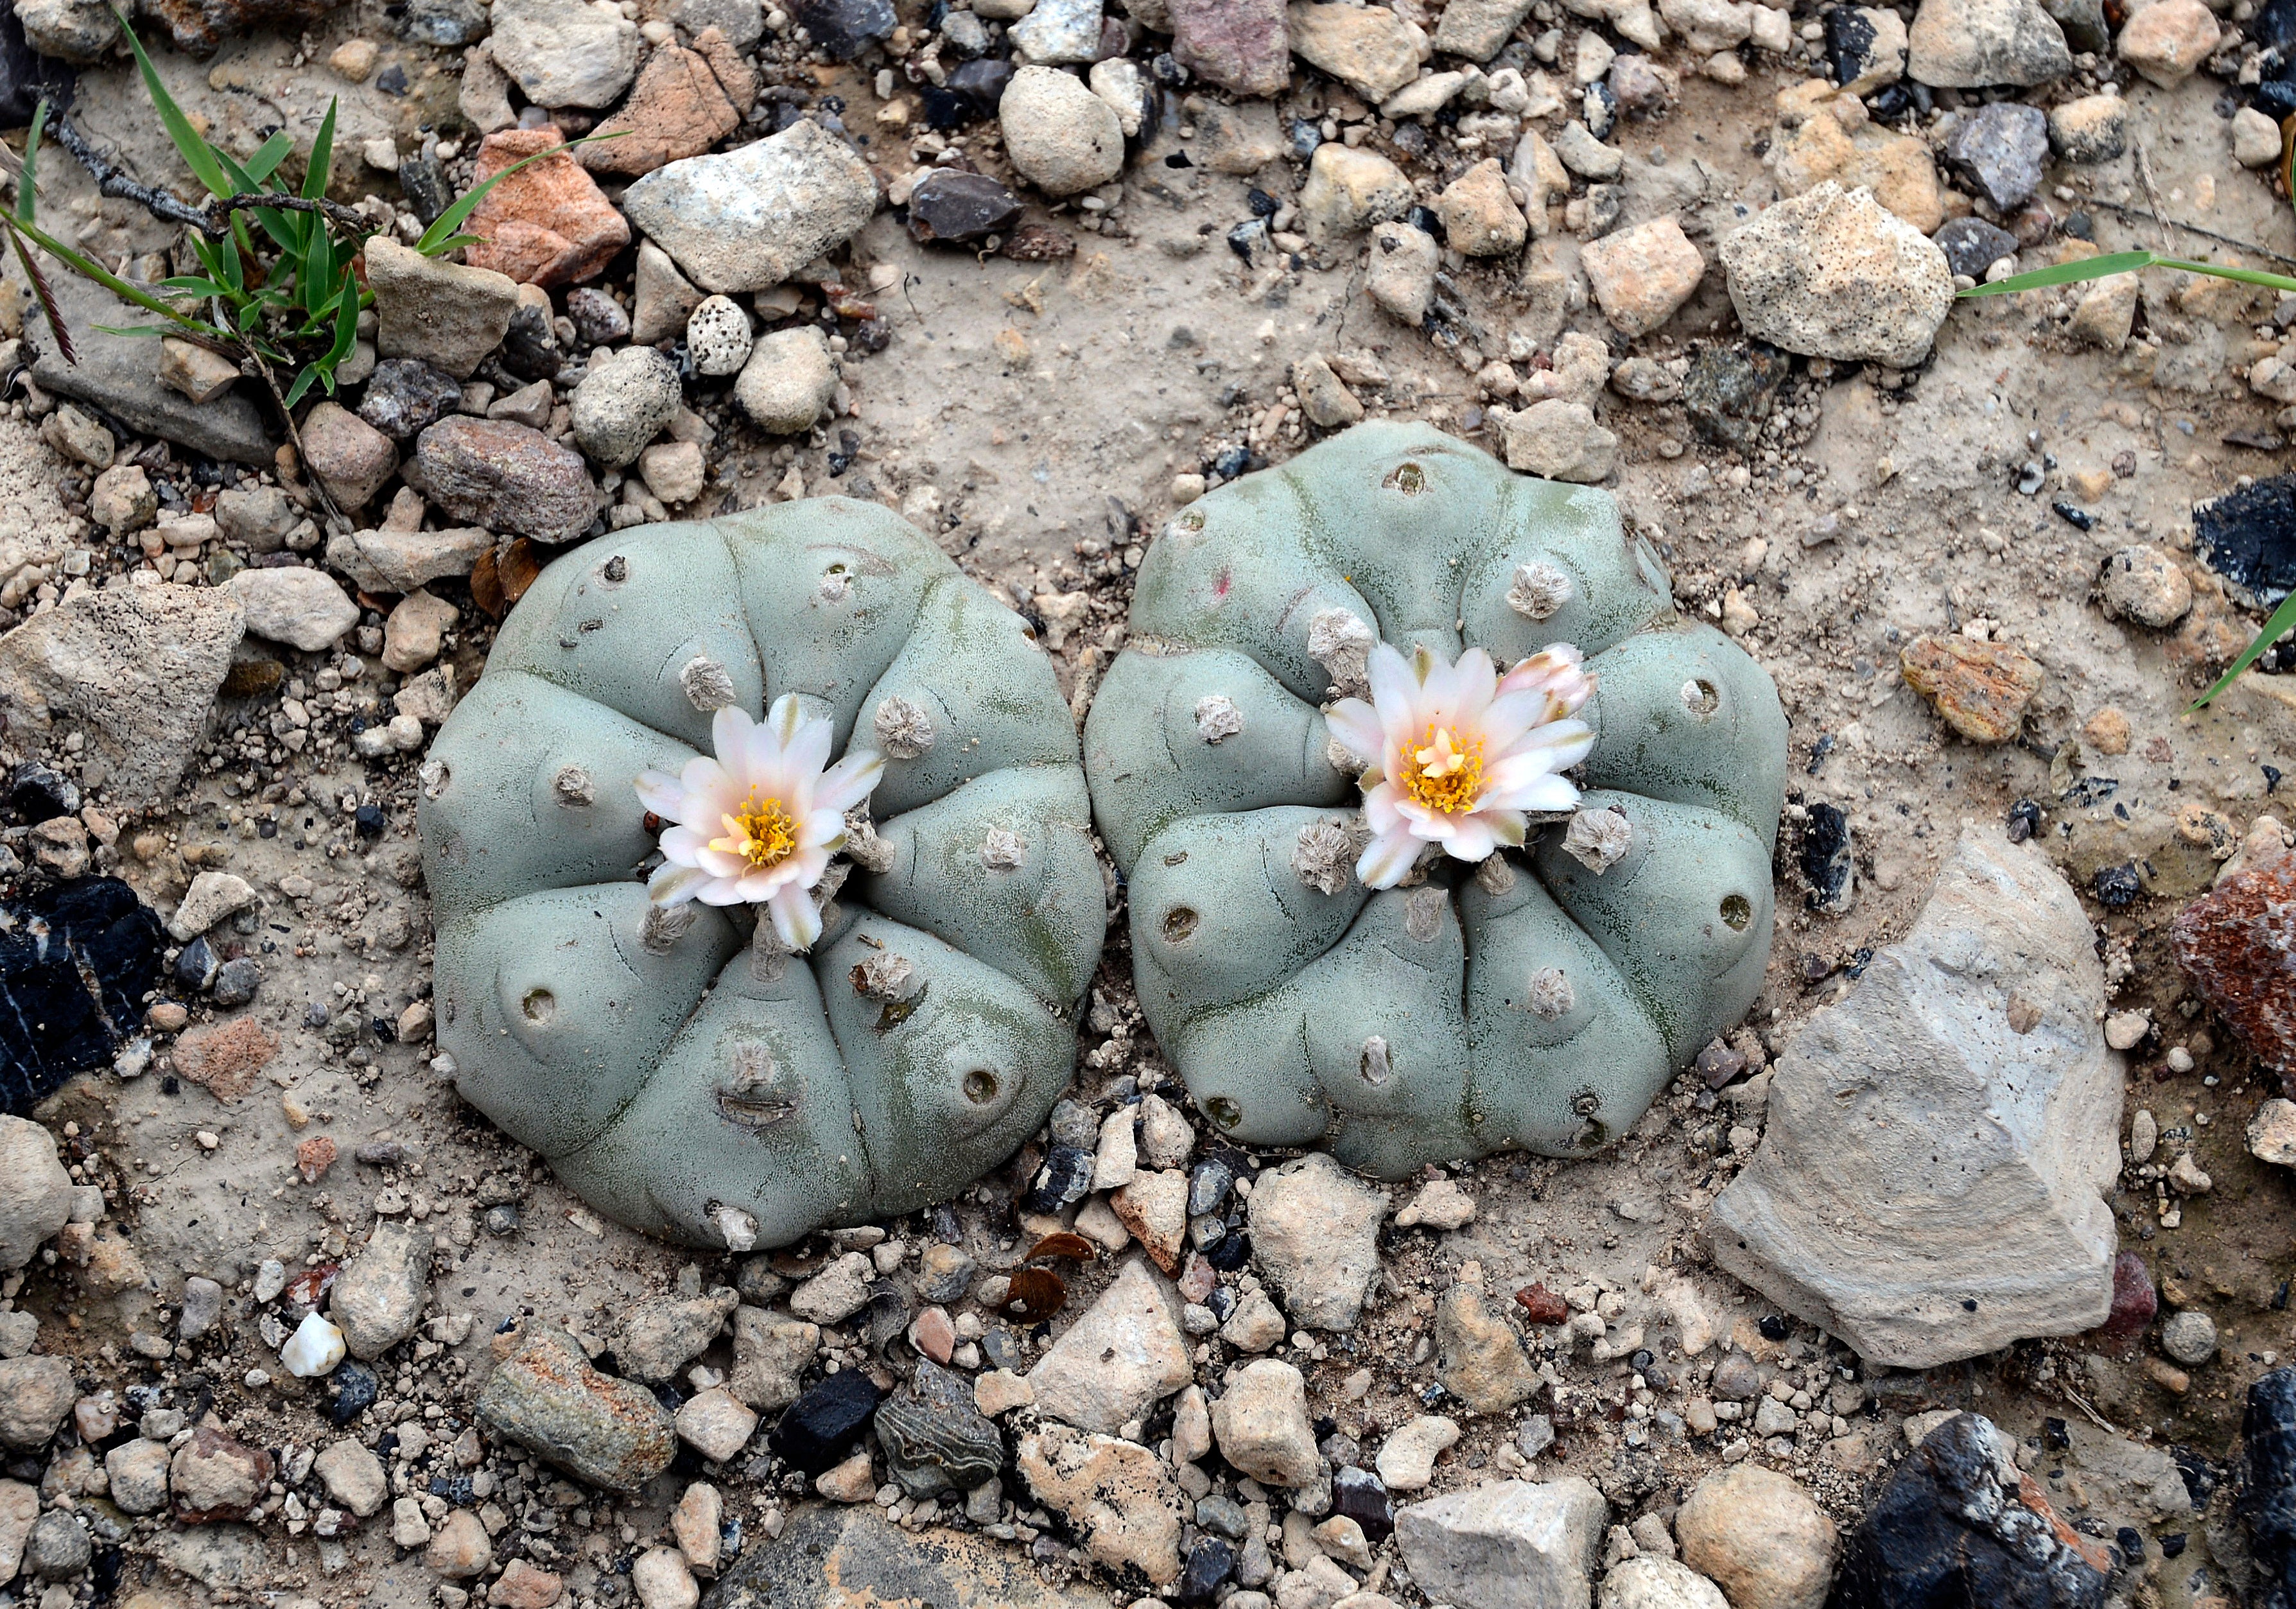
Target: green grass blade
x=143 y=330
x=193 y=285
x=323 y=157
x=2070 y=273
x=267 y=157
x=27 y=181
x=198 y=155
x=88 y=268
x=2282 y=619
x=2247 y=276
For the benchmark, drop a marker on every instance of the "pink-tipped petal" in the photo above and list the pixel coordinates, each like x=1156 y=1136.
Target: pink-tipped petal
x=729 y=728
x=1381 y=808
x=1471 y=838
x=1388 y=858
x=1394 y=692
x=795 y=921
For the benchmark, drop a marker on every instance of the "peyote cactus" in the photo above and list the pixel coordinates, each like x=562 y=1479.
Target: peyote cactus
x=681 y=1068
x=1538 y=997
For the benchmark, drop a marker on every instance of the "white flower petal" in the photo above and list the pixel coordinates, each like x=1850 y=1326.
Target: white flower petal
x=795 y=920
x=1471 y=838
x=1356 y=724
x=661 y=793
x=849 y=782
x=675 y=885
x=1388 y=858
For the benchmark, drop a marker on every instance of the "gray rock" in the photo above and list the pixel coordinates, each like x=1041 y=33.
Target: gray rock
x=136 y=668
x=1061 y=136
x=1971 y=44
x=120 y=373
x=2190 y=1337
x=1999 y=147
x=1929 y=1185
x=1124 y=1355
x=138 y=1472
x=1580 y=151
x=944 y=1274
x=1476 y=30
x=1260 y=1422
x=832 y=1557
x=1315 y=1235
x=1401 y=274
x=2093 y=129
x=741 y=21
x=17 y=1333
x=450 y=24
x=36 y=1192
x=444 y=314
x=57 y=1549
x=217 y=1474
x=202 y=1307
x=771 y=1353
x=660 y=301
x=1972 y=245
x=1509 y=1545
x=406 y=395
x=507 y=477
x=35 y=1393
x=401 y=561
x=787 y=384
x=1830 y=273
x=623 y=403
x=662 y=1337
x=20 y=1509
x=749 y=218
x=353 y=1476
x=303 y=608
x=566 y=53
x=1558 y=440
x=378 y=1297
x=1652 y=1582
x=1058 y=32
x=218 y=1557
x=258 y=515
x=546 y=1398
x=935 y=1439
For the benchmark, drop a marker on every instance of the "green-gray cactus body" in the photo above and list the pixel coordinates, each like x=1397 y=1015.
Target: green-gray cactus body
x=680 y=1077
x=1542 y=1000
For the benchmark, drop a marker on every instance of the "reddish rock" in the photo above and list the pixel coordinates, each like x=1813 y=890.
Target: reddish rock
x=548 y=224
x=1542 y=1306
x=1980 y=689
x=684 y=102
x=2134 y=1304
x=1239 y=45
x=507 y=477
x=522 y=1586
x=214 y=1477
x=224 y=1057
x=314 y=1157
x=201 y=26
x=2238 y=943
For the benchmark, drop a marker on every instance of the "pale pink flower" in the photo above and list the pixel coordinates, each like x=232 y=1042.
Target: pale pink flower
x=1456 y=754
x=758 y=824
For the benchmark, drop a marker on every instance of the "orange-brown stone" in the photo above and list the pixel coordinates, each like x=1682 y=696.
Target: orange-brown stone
x=1980 y=689
x=684 y=102
x=2239 y=945
x=547 y=224
x=224 y=1057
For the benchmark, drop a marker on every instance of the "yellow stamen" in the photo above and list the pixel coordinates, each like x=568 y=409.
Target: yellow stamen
x=763 y=834
x=1447 y=774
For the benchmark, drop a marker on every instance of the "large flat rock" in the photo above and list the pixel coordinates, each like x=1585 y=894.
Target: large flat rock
x=120 y=375
x=1929 y=1186
x=851 y=1558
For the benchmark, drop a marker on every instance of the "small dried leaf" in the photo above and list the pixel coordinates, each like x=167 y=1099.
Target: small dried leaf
x=517 y=568
x=1063 y=1242
x=1036 y=1295
x=485 y=586
x=309 y=1288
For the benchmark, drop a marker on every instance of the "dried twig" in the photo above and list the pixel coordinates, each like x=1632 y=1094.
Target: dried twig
x=213 y=219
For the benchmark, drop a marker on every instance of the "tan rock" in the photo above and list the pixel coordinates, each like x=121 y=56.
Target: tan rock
x=1760 y=1536
x=1641 y=276
x=1980 y=689
x=1120 y=1496
x=1480 y=217
x=2169 y=39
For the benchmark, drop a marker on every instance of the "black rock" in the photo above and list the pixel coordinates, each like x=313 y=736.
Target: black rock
x=1362 y=1496
x=2273 y=28
x=1062 y=1182
x=1599 y=105
x=367 y=821
x=1827 y=863
x=425 y=184
x=951 y=205
x=75 y=960
x=530 y=348
x=27 y=77
x=598 y=318
x=502 y=1219
x=1999 y=147
x=1222 y=1300
x=1972 y=245
x=2249 y=537
x=237 y=980
x=354 y=1388
x=1958 y=1525
x=2024 y=820
x=816 y=1431
x=196 y=965
x=844 y=28
x=406 y=397
x=2118 y=886
x=945 y=109
x=982 y=84
x=1729 y=390
x=2268 y=1485
x=1002 y=1349
x=450 y=24
x=1306 y=135
x=1849 y=45
x=1232 y=1251
x=1210 y=1562
x=37 y=794
x=935 y=1440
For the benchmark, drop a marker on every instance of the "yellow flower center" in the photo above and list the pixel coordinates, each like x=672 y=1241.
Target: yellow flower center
x=763 y=834
x=1446 y=775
